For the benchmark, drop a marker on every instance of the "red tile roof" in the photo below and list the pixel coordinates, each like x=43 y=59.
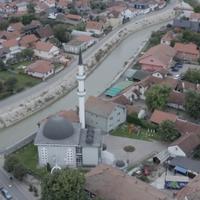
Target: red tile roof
x=73 y=17
x=10 y=43
x=177 y=98
x=70 y=115
x=186 y=48
x=159 y=116
x=94 y=25
x=43 y=46
x=40 y=66
x=27 y=40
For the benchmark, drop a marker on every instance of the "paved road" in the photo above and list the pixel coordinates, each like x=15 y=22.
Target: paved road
x=16 y=190
x=45 y=85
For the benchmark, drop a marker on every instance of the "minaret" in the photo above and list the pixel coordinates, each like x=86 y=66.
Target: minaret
x=81 y=90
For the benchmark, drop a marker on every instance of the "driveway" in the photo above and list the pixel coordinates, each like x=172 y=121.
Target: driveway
x=143 y=149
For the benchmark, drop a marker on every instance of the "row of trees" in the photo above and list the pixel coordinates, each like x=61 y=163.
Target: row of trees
x=15 y=167
x=192 y=75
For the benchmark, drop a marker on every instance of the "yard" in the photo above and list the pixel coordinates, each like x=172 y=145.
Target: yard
x=28 y=157
x=142 y=134
x=14 y=80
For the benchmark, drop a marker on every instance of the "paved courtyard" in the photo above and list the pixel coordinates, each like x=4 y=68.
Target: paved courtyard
x=143 y=149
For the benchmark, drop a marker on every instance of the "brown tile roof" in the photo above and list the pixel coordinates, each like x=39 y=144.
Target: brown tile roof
x=176 y=98
x=158 y=55
x=149 y=81
x=43 y=46
x=94 y=25
x=71 y=115
x=84 y=38
x=40 y=66
x=10 y=43
x=73 y=17
x=170 y=82
x=169 y=36
x=98 y=106
x=9 y=35
x=28 y=40
x=159 y=116
x=110 y=183
x=191 y=190
x=17 y=26
x=121 y=99
x=190 y=48
x=44 y=32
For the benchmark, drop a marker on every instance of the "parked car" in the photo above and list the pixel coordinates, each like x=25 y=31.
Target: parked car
x=178 y=65
x=174 y=69
x=6 y=194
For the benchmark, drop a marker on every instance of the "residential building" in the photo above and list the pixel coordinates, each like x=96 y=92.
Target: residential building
x=162 y=73
x=168 y=38
x=105 y=115
x=40 y=69
x=188 y=52
x=81 y=42
x=15 y=27
x=110 y=183
x=45 y=50
x=176 y=100
x=94 y=27
x=159 y=116
x=28 y=41
x=157 y=57
x=44 y=32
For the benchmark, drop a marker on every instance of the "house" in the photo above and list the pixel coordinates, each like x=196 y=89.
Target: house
x=28 y=41
x=94 y=27
x=110 y=183
x=44 y=32
x=159 y=116
x=15 y=27
x=103 y=114
x=157 y=57
x=176 y=100
x=191 y=191
x=22 y=6
x=45 y=50
x=40 y=69
x=167 y=38
x=81 y=42
x=9 y=35
x=13 y=46
x=191 y=23
x=73 y=17
x=188 y=52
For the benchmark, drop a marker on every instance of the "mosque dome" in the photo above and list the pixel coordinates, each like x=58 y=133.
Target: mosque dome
x=57 y=128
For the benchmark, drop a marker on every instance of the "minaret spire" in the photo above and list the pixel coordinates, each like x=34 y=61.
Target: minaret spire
x=81 y=90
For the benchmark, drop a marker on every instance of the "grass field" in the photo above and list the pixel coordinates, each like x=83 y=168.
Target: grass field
x=143 y=134
x=29 y=158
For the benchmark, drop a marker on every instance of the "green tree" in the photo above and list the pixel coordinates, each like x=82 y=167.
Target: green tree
x=27 y=53
x=192 y=105
x=4 y=25
x=81 y=26
x=64 y=184
x=19 y=171
x=192 y=75
x=27 y=19
x=168 y=131
x=10 y=163
x=2 y=65
x=14 y=19
x=157 y=97
x=60 y=32
x=10 y=83
x=31 y=8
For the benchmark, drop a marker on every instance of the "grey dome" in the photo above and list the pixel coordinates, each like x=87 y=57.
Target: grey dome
x=57 y=128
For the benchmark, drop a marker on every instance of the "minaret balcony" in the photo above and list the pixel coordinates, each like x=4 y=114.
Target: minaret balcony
x=81 y=93
x=80 y=77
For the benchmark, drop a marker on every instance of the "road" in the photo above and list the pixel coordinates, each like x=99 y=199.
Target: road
x=17 y=192
x=91 y=51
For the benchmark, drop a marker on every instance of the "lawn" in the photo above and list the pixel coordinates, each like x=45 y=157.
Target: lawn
x=29 y=158
x=143 y=134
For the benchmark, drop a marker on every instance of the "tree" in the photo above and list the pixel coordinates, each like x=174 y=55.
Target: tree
x=10 y=163
x=192 y=75
x=48 y=167
x=27 y=53
x=168 y=132
x=192 y=105
x=64 y=184
x=19 y=171
x=80 y=26
x=2 y=65
x=31 y=8
x=60 y=32
x=11 y=82
x=157 y=97
x=27 y=19
x=4 y=25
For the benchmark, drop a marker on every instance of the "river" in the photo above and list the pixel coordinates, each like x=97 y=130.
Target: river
x=96 y=83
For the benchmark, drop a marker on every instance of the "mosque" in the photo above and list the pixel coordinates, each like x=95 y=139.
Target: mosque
x=69 y=144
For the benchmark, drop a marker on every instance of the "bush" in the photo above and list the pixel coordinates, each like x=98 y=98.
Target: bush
x=10 y=163
x=129 y=148
x=19 y=171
